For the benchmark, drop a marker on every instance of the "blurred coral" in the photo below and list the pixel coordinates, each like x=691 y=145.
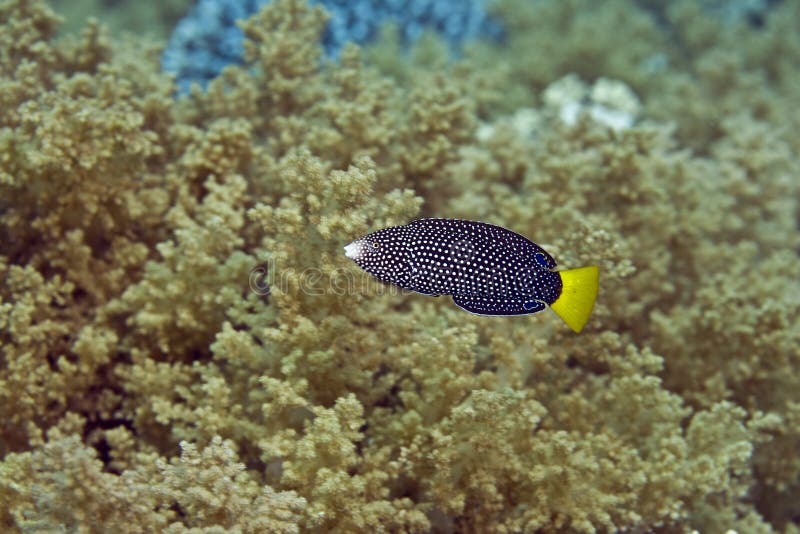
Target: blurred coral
x=208 y=38
x=148 y=18
x=183 y=345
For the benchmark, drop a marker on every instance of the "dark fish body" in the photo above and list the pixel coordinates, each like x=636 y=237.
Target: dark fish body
x=487 y=269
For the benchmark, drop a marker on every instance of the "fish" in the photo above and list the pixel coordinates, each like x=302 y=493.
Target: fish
x=486 y=269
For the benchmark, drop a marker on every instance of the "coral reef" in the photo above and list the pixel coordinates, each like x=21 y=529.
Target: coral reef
x=184 y=347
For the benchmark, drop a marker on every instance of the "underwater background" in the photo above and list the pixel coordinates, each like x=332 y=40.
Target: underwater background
x=184 y=346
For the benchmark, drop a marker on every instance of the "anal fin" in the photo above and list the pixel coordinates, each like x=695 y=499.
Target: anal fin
x=498 y=305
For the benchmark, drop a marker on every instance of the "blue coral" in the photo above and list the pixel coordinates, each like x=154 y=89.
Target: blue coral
x=207 y=39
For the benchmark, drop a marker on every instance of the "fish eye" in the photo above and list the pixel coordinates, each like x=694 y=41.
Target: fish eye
x=375 y=244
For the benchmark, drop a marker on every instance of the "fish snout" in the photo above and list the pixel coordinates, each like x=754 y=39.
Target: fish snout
x=355 y=250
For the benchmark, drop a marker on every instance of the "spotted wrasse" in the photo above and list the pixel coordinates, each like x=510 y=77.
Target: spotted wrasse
x=487 y=269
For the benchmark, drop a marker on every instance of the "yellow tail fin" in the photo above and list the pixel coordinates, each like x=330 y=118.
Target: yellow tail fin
x=578 y=294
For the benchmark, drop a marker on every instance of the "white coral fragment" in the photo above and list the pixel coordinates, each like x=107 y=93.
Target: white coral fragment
x=608 y=102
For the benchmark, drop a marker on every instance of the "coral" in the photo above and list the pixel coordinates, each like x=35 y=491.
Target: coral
x=75 y=492
x=152 y=19
x=608 y=102
x=208 y=38
x=183 y=345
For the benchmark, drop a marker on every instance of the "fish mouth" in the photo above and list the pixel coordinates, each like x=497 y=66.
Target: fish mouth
x=354 y=250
